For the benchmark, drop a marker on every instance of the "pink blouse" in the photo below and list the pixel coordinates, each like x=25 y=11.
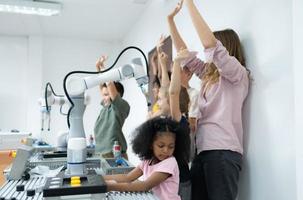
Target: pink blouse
x=220 y=117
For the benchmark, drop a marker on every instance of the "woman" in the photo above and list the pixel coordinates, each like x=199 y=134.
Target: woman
x=225 y=82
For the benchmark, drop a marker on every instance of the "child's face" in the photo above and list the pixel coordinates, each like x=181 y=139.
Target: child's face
x=164 y=145
x=105 y=96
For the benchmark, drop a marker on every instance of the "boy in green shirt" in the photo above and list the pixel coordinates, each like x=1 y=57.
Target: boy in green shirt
x=108 y=126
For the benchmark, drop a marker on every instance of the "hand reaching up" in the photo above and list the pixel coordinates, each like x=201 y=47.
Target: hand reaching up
x=176 y=10
x=100 y=62
x=160 y=44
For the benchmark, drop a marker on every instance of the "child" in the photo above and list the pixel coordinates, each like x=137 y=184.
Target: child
x=159 y=142
x=115 y=110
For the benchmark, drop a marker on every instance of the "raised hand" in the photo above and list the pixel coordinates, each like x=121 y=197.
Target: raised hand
x=163 y=58
x=160 y=44
x=176 y=10
x=100 y=62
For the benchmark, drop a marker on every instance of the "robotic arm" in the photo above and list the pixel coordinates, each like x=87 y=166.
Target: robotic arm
x=49 y=99
x=77 y=86
x=75 y=89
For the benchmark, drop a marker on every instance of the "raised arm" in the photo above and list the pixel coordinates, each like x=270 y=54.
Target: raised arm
x=175 y=35
x=205 y=34
x=110 y=85
x=163 y=58
x=100 y=66
x=175 y=85
x=174 y=91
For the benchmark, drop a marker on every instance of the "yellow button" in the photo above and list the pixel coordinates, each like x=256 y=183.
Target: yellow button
x=75 y=185
x=75 y=182
x=75 y=178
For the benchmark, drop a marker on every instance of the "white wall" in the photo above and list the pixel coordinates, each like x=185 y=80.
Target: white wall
x=265 y=28
x=298 y=71
x=13 y=83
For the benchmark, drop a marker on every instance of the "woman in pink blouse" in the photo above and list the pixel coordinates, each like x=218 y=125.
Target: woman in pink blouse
x=225 y=82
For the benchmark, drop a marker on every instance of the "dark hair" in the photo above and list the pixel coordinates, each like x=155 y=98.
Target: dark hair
x=145 y=134
x=184 y=100
x=118 y=86
x=156 y=81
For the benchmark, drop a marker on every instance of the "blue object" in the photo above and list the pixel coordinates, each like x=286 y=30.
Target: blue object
x=121 y=161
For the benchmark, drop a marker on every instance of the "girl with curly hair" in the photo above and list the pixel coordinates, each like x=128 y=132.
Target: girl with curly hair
x=160 y=143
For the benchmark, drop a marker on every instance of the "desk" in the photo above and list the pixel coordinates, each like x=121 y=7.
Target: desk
x=5 y=160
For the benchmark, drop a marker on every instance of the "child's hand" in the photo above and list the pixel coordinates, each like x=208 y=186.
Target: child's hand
x=176 y=10
x=100 y=62
x=160 y=44
x=163 y=58
x=110 y=182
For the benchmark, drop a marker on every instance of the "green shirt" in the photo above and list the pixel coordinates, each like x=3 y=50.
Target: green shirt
x=108 y=127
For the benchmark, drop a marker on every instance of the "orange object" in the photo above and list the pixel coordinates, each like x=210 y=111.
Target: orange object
x=5 y=160
x=12 y=154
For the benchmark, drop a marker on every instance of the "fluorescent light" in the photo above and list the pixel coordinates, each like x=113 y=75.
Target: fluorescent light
x=30 y=7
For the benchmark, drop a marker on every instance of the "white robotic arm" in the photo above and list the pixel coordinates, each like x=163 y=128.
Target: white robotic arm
x=77 y=85
x=46 y=103
x=75 y=88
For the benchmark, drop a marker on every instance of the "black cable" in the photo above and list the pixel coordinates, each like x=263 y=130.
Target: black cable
x=48 y=84
x=86 y=72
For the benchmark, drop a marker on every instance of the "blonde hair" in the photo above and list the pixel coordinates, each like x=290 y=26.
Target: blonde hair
x=230 y=40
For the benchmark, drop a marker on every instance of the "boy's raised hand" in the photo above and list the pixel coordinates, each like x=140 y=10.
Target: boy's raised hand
x=100 y=62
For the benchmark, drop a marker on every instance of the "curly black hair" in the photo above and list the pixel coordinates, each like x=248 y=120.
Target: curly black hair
x=144 y=136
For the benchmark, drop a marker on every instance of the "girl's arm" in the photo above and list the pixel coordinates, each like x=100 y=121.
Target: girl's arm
x=175 y=35
x=164 y=74
x=122 y=178
x=174 y=91
x=175 y=85
x=163 y=61
x=155 y=179
x=206 y=36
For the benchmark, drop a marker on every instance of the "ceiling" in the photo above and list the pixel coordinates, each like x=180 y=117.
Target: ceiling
x=108 y=20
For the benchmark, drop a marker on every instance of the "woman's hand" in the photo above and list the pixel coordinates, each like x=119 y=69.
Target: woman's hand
x=176 y=10
x=100 y=62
